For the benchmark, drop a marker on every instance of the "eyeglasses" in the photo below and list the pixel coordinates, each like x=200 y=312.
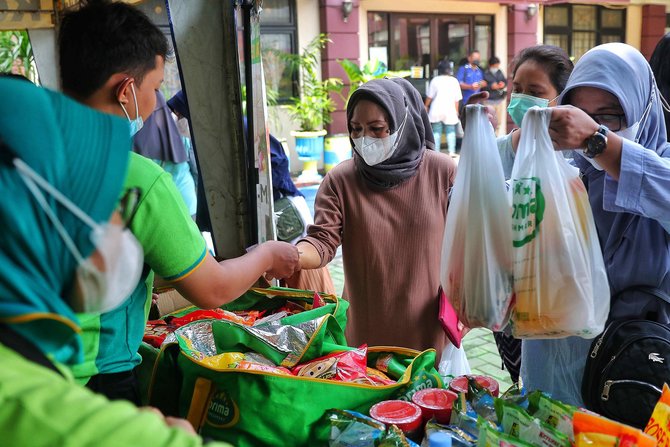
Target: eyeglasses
x=611 y=121
x=128 y=205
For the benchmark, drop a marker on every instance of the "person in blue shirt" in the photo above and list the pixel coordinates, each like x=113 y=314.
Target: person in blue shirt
x=612 y=91
x=470 y=76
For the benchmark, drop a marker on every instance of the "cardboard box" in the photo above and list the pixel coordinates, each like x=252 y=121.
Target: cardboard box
x=168 y=302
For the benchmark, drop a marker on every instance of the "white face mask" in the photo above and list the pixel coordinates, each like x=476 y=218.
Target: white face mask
x=104 y=290
x=377 y=150
x=137 y=123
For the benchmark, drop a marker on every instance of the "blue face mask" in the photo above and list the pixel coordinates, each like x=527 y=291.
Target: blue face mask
x=137 y=123
x=520 y=103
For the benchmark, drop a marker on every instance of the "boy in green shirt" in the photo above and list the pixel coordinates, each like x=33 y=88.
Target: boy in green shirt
x=119 y=74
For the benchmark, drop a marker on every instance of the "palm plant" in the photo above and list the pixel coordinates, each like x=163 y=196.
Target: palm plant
x=312 y=109
x=16 y=54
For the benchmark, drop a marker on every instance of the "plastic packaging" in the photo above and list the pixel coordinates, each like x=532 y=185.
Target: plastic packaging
x=477 y=262
x=461 y=384
x=555 y=413
x=453 y=362
x=439 y=440
x=405 y=415
x=592 y=430
x=659 y=423
x=435 y=403
x=560 y=282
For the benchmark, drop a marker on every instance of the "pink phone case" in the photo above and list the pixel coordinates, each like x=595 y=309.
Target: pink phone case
x=449 y=319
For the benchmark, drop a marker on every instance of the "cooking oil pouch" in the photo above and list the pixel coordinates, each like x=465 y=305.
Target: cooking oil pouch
x=659 y=423
x=555 y=413
x=476 y=266
x=516 y=422
x=560 y=283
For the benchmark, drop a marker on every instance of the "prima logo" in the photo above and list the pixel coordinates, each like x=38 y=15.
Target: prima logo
x=656 y=358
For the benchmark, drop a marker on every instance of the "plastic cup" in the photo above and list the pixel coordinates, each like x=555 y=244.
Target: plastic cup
x=405 y=415
x=460 y=384
x=435 y=403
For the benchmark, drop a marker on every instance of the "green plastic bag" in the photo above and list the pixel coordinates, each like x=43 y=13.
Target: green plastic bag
x=252 y=408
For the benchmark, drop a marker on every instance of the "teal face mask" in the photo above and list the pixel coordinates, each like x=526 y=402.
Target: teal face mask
x=520 y=103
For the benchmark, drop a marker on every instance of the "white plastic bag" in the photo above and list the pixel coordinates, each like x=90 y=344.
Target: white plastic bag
x=559 y=276
x=453 y=363
x=477 y=247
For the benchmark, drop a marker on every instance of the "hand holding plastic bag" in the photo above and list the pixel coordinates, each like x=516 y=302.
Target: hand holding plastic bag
x=477 y=249
x=559 y=276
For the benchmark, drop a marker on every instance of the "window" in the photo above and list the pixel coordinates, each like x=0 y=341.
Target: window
x=405 y=40
x=278 y=35
x=578 y=28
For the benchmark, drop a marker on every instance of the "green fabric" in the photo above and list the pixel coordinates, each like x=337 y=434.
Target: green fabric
x=40 y=408
x=248 y=408
x=173 y=248
x=81 y=153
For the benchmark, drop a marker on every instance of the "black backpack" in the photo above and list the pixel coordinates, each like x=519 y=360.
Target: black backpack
x=628 y=364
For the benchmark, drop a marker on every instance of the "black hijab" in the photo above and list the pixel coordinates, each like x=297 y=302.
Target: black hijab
x=397 y=97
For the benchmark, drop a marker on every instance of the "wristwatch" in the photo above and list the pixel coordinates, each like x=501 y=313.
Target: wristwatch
x=596 y=143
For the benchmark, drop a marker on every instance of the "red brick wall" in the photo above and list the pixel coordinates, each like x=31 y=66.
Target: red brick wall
x=345 y=45
x=653 y=28
x=521 y=33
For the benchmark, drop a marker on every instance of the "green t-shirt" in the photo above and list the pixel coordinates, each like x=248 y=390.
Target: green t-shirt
x=38 y=407
x=173 y=248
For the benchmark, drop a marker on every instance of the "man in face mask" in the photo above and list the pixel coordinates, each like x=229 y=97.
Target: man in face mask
x=497 y=88
x=470 y=76
x=120 y=75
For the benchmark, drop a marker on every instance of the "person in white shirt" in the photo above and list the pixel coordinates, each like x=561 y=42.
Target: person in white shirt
x=442 y=98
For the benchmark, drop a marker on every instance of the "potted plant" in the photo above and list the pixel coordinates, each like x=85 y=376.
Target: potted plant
x=312 y=108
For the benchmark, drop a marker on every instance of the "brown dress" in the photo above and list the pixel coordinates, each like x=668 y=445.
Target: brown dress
x=391 y=247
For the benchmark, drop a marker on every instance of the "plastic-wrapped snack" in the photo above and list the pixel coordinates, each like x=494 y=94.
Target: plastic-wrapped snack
x=156 y=331
x=464 y=417
x=224 y=360
x=659 y=423
x=592 y=430
x=264 y=368
x=459 y=438
x=348 y=366
x=516 y=422
x=377 y=377
x=490 y=437
x=352 y=429
x=555 y=413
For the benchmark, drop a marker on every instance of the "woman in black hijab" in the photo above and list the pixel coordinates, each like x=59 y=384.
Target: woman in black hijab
x=387 y=209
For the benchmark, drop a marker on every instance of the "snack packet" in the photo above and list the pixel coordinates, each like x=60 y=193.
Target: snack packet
x=555 y=413
x=490 y=437
x=659 y=423
x=590 y=427
x=459 y=438
x=516 y=422
x=244 y=364
x=348 y=366
x=155 y=332
x=224 y=360
x=352 y=429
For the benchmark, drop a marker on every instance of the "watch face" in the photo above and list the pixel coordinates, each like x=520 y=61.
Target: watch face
x=595 y=145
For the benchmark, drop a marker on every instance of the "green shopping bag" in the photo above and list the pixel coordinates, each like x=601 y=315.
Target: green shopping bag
x=253 y=408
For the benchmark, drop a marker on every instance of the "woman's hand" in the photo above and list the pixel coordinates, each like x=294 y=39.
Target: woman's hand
x=480 y=98
x=570 y=127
